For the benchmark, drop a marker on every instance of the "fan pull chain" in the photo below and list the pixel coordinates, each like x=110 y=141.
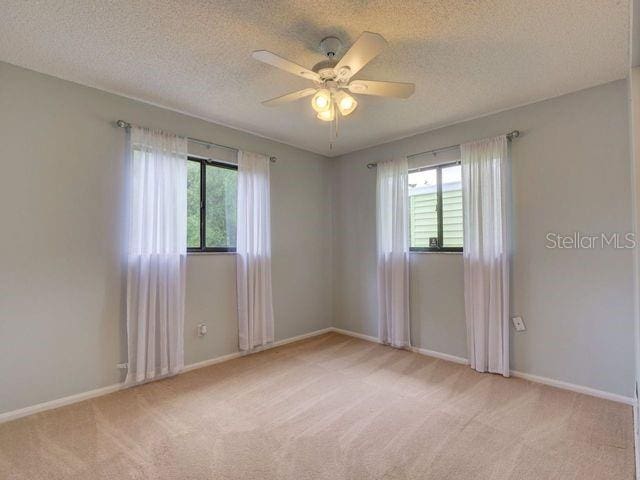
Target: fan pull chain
x=333 y=129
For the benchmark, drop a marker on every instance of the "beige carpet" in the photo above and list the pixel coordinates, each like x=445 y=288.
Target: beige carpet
x=331 y=407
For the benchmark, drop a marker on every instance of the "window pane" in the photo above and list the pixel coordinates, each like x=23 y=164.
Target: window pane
x=193 y=204
x=423 y=198
x=220 y=221
x=452 y=206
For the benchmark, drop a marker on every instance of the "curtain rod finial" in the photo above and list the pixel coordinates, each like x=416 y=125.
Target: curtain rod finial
x=123 y=124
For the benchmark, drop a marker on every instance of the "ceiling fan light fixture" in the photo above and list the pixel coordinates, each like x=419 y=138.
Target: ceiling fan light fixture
x=327 y=115
x=321 y=101
x=346 y=103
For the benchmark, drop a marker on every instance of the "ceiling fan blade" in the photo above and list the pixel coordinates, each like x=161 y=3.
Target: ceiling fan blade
x=284 y=64
x=289 y=97
x=366 y=48
x=382 y=89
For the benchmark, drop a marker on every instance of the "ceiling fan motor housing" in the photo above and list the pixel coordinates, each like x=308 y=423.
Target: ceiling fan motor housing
x=325 y=69
x=331 y=47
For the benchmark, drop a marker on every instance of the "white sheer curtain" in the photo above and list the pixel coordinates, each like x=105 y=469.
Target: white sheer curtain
x=393 y=252
x=255 y=307
x=485 y=187
x=157 y=250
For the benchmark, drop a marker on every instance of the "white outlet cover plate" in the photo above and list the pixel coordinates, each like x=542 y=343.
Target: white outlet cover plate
x=202 y=329
x=518 y=324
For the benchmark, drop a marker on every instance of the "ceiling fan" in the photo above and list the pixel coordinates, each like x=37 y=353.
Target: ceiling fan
x=334 y=78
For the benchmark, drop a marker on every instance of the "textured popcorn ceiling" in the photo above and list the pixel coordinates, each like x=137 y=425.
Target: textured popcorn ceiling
x=467 y=58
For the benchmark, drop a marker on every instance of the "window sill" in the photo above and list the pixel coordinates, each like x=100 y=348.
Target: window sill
x=210 y=253
x=431 y=252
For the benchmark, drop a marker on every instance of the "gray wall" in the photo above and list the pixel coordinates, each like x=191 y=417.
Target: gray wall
x=61 y=246
x=571 y=172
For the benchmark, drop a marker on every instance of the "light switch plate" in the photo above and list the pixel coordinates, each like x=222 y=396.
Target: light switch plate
x=518 y=324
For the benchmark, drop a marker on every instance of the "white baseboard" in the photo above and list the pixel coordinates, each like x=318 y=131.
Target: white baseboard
x=552 y=382
x=421 y=351
x=79 y=397
x=441 y=356
x=212 y=361
x=98 y=392
x=525 y=376
x=361 y=336
x=60 y=402
x=299 y=337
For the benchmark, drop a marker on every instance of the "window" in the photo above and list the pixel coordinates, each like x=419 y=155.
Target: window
x=211 y=206
x=435 y=208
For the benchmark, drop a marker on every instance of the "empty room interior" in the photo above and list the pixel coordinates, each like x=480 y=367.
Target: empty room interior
x=319 y=240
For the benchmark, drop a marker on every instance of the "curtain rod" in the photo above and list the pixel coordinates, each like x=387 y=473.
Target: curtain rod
x=510 y=136
x=123 y=124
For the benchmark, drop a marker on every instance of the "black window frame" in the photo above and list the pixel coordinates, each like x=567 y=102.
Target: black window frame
x=439 y=248
x=204 y=162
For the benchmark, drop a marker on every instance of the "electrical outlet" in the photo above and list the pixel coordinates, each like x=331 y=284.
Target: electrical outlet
x=202 y=329
x=518 y=324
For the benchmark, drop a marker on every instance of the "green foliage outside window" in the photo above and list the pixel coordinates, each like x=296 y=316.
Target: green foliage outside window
x=193 y=204
x=221 y=194
x=220 y=210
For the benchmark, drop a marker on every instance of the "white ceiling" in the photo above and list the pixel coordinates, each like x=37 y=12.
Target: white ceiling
x=467 y=58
